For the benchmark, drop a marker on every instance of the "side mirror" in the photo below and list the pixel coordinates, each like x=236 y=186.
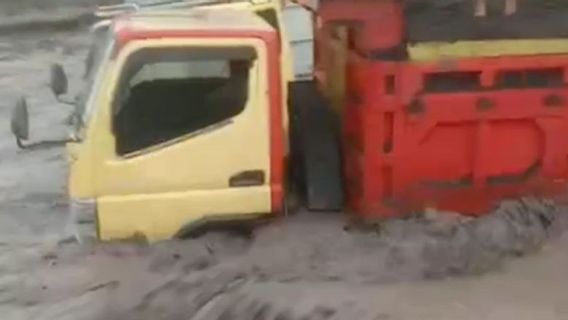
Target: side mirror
x=19 y=121
x=58 y=79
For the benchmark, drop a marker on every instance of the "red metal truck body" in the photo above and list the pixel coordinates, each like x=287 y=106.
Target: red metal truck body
x=456 y=134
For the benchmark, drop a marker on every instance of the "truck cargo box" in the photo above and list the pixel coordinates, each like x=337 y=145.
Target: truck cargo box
x=440 y=109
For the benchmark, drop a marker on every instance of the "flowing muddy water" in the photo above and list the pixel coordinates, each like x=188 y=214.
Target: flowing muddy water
x=510 y=265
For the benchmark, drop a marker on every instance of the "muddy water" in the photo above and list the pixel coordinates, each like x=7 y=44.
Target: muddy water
x=303 y=267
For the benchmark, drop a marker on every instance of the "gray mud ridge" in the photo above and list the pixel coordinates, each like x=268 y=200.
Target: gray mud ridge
x=215 y=271
x=514 y=229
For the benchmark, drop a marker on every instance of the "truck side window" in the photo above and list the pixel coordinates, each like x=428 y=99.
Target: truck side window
x=168 y=93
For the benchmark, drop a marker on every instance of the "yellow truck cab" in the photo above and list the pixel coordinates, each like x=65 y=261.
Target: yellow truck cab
x=183 y=124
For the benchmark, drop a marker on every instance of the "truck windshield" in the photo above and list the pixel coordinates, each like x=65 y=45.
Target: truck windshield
x=100 y=48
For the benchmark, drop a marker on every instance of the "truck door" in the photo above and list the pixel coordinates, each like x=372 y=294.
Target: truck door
x=187 y=139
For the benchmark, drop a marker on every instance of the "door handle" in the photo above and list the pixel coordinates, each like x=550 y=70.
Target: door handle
x=248 y=178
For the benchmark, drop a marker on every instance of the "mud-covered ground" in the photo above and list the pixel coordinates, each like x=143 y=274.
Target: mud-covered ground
x=47 y=14
x=309 y=266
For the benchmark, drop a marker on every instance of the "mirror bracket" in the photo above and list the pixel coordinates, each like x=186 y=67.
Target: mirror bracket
x=20 y=144
x=44 y=144
x=65 y=101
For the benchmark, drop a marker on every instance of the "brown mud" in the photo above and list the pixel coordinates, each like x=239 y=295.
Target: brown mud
x=508 y=265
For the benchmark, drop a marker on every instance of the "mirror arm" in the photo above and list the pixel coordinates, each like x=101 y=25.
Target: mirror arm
x=65 y=101
x=20 y=144
x=42 y=144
